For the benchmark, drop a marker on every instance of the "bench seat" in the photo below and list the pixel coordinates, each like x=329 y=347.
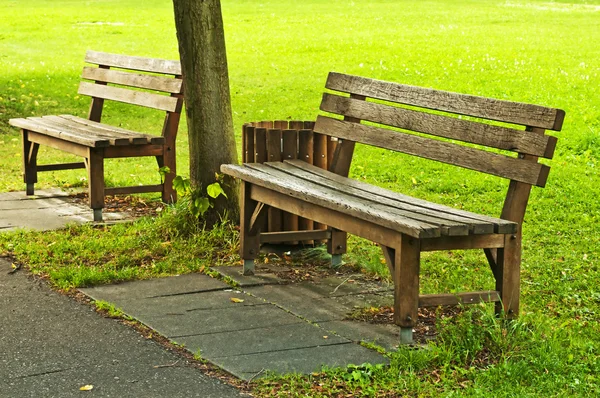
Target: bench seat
x=85 y=132
x=411 y=216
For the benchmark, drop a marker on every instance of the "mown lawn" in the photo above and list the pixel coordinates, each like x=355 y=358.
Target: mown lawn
x=279 y=55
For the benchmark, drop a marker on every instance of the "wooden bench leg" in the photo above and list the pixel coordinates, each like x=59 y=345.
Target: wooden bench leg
x=30 y=151
x=95 y=169
x=251 y=218
x=407 y=260
x=336 y=246
x=169 y=195
x=508 y=280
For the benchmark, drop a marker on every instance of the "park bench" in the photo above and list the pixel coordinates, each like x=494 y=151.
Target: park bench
x=402 y=225
x=117 y=78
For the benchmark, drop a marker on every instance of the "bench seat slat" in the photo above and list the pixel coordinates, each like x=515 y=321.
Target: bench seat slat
x=158 y=83
x=134 y=63
x=149 y=100
x=87 y=130
x=471 y=158
x=446 y=227
x=118 y=131
x=454 y=225
x=330 y=199
x=500 y=226
x=463 y=104
x=43 y=127
x=442 y=126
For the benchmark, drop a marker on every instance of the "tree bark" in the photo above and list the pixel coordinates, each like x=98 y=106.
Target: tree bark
x=201 y=38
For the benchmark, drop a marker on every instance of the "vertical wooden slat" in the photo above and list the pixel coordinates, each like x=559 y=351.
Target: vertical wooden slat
x=290 y=151
x=280 y=124
x=331 y=145
x=274 y=155
x=248 y=140
x=260 y=155
x=320 y=160
x=260 y=145
x=305 y=152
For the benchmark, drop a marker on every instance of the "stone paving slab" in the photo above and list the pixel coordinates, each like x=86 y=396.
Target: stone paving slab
x=195 y=323
x=316 y=305
x=157 y=287
x=184 y=303
x=46 y=210
x=257 y=341
x=386 y=336
x=262 y=275
x=303 y=360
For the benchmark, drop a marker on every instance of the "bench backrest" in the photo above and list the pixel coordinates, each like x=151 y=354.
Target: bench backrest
x=530 y=141
x=412 y=112
x=160 y=80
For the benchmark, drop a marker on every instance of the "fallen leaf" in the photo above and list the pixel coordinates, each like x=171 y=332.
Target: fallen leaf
x=87 y=387
x=236 y=300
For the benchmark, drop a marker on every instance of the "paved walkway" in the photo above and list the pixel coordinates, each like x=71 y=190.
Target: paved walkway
x=51 y=346
x=265 y=324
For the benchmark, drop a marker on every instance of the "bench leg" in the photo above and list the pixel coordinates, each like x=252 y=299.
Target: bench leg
x=336 y=246
x=169 y=195
x=30 y=151
x=407 y=260
x=508 y=278
x=95 y=169
x=250 y=223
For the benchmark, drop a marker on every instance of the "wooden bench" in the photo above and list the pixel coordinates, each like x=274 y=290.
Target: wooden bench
x=402 y=225
x=161 y=88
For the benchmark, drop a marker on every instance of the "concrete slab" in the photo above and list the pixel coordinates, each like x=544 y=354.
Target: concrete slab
x=303 y=360
x=386 y=336
x=257 y=341
x=201 y=322
x=183 y=303
x=182 y=284
x=304 y=300
x=47 y=210
x=262 y=275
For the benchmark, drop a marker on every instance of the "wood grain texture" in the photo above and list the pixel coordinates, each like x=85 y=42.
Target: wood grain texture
x=471 y=158
x=500 y=226
x=342 y=221
x=407 y=262
x=449 y=224
x=149 y=100
x=150 y=82
x=469 y=105
x=263 y=175
x=134 y=63
x=41 y=126
x=442 y=126
x=133 y=189
x=302 y=236
x=140 y=137
x=248 y=144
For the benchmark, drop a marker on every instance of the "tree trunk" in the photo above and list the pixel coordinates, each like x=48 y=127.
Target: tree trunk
x=201 y=38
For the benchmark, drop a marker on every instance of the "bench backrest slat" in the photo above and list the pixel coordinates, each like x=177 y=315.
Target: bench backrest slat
x=154 y=65
x=149 y=82
x=401 y=110
x=463 y=104
x=447 y=152
x=442 y=126
x=150 y=100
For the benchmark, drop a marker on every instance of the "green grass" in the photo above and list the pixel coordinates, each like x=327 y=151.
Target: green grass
x=279 y=54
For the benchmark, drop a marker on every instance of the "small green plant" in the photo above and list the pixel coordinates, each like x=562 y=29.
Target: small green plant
x=193 y=198
x=111 y=310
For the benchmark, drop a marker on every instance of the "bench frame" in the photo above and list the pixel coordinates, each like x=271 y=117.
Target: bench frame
x=402 y=246
x=95 y=141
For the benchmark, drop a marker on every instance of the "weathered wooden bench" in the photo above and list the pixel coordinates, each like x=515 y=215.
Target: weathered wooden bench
x=161 y=88
x=402 y=225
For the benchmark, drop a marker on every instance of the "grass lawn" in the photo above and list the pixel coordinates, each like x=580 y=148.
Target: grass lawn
x=279 y=54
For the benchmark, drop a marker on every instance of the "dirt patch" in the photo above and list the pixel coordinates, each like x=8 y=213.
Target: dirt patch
x=133 y=206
